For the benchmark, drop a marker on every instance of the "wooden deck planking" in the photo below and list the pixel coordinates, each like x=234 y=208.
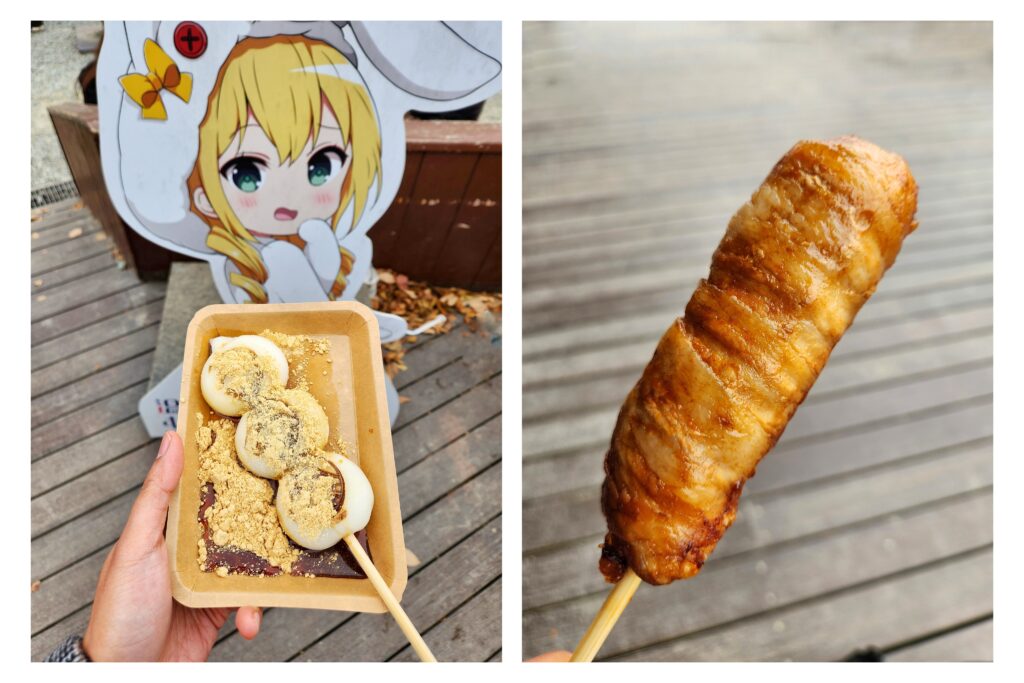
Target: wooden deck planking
x=626 y=197
x=974 y=641
x=768 y=517
x=94 y=332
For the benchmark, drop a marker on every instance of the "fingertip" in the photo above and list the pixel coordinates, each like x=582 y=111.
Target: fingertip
x=247 y=621
x=172 y=457
x=556 y=656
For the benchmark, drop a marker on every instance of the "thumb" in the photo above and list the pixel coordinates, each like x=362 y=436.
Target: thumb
x=145 y=526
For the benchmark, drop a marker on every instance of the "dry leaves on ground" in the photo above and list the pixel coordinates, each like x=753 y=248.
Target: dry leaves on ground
x=419 y=302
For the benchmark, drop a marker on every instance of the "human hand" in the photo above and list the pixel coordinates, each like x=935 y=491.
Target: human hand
x=134 y=617
x=556 y=656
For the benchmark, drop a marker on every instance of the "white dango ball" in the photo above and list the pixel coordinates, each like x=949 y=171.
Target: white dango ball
x=212 y=382
x=280 y=430
x=351 y=518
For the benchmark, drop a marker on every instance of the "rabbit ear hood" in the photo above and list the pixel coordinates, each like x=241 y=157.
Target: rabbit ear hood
x=447 y=62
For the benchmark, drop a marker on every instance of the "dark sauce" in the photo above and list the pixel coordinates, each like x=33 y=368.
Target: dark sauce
x=335 y=562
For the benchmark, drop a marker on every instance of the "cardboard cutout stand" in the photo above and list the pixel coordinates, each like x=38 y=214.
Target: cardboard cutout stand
x=269 y=149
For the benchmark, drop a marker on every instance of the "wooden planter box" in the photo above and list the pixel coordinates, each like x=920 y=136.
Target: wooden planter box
x=443 y=227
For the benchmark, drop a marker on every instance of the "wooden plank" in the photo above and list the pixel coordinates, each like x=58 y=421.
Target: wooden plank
x=542 y=163
x=649 y=324
x=92 y=489
x=440 y=187
x=460 y=460
x=284 y=633
x=968 y=644
x=667 y=254
x=57 y=214
x=887 y=612
x=489 y=275
x=577 y=229
x=475 y=227
x=468 y=634
x=683 y=185
x=774 y=577
x=696 y=248
x=435 y=390
x=101 y=309
x=386 y=231
x=588 y=393
x=583 y=179
x=67 y=591
x=594 y=309
x=433 y=353
x=629 y=358
x=674 y=281
x=97 y=334
x=692 y=250
x=77 y=228
x=918 y=433
x=56 y=210
x=417 y=439
x=45 y=642
x=691 y=238
x=452 y=136
x=85 y=290
x=89 y=266
x=86 y=421
x=83 y=455
x=53 y=405
x=592 y=429
x=48 y=259
x=81 y=536
x=561 y=224
x=77 y=367
x=433 y=593
x=562 y=564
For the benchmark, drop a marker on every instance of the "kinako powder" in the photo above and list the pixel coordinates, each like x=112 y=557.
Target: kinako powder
x=282 y=422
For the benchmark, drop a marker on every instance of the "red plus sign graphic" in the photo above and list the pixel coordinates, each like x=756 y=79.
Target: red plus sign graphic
x=190 y=39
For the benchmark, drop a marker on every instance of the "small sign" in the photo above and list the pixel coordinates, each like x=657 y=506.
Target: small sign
x=159 y=407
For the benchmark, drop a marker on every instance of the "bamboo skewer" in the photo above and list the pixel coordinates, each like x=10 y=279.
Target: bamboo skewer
x=606 y=617
x=401 y=618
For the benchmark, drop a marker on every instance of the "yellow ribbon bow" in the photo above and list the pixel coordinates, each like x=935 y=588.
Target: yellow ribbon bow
x=163 y=75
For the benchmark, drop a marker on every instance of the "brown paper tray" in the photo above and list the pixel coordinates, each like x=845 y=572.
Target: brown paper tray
x=352 y=393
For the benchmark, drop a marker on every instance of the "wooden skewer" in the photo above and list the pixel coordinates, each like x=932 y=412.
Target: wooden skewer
x=404 y=623
x=606 y=617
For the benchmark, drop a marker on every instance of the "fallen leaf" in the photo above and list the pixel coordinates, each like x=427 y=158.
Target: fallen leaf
x=41 y=297
x=402 y=400
x=100 y=236
x=37 y=283
x=78 y=205
x=35 y=235
x=75 y=232
x=419 y=303
x=37 y=584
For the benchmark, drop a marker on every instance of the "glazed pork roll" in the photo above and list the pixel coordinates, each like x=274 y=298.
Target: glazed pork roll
x=796 y=264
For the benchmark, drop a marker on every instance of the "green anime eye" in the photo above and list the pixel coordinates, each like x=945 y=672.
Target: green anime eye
x=244 y=172
x=324 y=165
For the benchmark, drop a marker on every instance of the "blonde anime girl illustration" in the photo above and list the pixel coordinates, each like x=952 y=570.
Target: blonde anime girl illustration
x=269 y=149
x=275 y=175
